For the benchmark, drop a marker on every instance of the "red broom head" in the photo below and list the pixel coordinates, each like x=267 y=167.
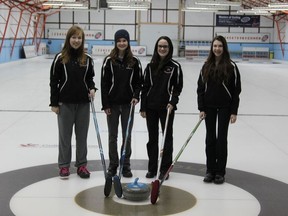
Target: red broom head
x=155 y=191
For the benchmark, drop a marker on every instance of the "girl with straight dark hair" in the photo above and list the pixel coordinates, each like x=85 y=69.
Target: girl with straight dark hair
x=218 y=91
x=162 y=77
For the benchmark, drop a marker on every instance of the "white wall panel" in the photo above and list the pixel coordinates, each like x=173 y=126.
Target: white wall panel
x=97 y=16
x=198 y=33
x=266 y=22
x=159 y=3
x=173 y=17
x=144 y=16
x=81 y=16
x=233 y=30
x=66 y=16
x=150 y=33
x=172 y=4
x=116 y=16
x=158 y=16
x=66 y=26
x=53 y=18
x=97 y=27
x=221 y=29
x=195 y=18
x=250 y=30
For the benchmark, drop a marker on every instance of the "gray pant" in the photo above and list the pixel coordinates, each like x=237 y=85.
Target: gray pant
x=70 y=115
x=122 y=112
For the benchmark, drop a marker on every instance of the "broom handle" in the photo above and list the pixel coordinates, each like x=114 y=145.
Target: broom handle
x=164 y=136
x=181 y=150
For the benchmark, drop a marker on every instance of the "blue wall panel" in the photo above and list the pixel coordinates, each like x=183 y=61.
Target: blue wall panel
x=54 y=46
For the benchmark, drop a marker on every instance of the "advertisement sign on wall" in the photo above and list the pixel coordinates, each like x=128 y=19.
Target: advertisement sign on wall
x=238 y=20
x=89 y=34
x=105 y=50
x=246 y=37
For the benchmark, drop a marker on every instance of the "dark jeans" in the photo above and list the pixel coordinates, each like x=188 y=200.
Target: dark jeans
x=152 y=118
x=122 y=112
x=216 y=139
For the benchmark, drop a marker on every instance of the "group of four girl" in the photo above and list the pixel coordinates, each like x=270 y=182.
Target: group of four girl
x=123 y=85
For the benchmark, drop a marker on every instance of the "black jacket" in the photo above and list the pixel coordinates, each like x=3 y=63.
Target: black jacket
x=119 y=82
x=220 y=94
x=70 y=82
x=157 y=88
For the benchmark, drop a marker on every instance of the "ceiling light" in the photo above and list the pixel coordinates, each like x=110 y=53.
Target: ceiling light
x=56 y=1
x=271 y=8
x=78 y=7
x=73 y=5
x=278 y=5
x=222 y=3
x=128 y=1
x=131 y=8
x=256 y=12
x=129 y=5
x=63 y=3
x=116 y=1
x=128 y=8
x=205 y=8
x=52 y=4
x=202 y=11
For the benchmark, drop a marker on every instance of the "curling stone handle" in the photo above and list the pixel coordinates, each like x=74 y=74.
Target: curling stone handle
x=136 y=181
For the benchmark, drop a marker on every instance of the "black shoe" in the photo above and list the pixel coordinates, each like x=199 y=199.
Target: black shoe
x=219 y=179
x=127 y=173
x=162 y=174
x=209 y=178
x=150 y=175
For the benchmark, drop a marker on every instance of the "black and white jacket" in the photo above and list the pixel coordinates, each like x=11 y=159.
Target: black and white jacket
x=220 y=94
x=71 y=82
x=157 y=88
x=119 y=82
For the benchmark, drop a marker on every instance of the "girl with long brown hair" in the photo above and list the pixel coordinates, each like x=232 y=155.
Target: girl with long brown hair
x=72 y=88
x=218 y=91
x=120 y=88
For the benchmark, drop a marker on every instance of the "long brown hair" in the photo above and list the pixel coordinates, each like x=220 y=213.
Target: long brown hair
x=67 y=49
x=221 y=71
x=128 y=56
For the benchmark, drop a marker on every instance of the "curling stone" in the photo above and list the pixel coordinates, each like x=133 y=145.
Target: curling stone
x=136 y=191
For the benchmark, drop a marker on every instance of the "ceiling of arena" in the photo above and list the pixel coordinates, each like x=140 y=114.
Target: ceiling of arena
x=246 y=4
x=259 y=3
